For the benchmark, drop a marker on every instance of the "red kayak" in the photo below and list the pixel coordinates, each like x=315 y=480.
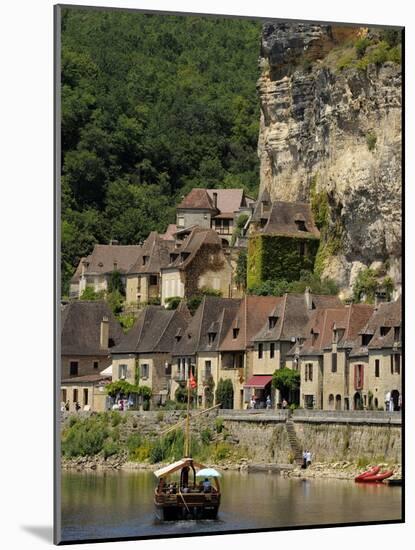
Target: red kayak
x=378 y=478
x=372 y=472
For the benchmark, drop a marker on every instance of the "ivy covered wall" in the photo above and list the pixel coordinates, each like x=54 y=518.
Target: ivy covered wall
x=275 y=257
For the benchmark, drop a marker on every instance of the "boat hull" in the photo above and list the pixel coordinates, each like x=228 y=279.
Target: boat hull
x=187 y=506
x=378 y=478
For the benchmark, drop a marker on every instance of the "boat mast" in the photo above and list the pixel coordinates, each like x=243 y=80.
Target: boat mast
x=187 y=431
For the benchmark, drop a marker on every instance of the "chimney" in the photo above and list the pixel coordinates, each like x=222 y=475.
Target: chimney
x=308 y=298
x=104 y=335
x=215 y=200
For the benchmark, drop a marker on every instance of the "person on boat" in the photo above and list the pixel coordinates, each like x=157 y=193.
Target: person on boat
x=308 y=459
x=207 y=486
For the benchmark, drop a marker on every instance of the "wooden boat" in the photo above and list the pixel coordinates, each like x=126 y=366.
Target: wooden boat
x=373 y=471
x=394 y=482
x=185 y=498
x=377 y=478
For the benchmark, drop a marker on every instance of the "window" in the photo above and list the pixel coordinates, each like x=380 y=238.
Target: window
x=208 y=369
x=366 y=338
x=377 y=368
x=235 y=333
x=358 y=377
x=272 y=350
x=85 y=396
x=180 y=221
x=96 y=364
x=301 y=249
x=397 y=362
x=145 y=260
x=122 y=372
x=211 y=337
x=334 y=362
x=308 y=372
x=73 y=368
x=75 y=396
x=397 y=334
x=384 y=331
x=63 y=396
x=391 y=359
x=153 y=280
x=145 y=371
x=260 y=351
x=300 y=225
x=272 y=321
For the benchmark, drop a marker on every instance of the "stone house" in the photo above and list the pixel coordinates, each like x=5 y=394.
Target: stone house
x=286 y=324
x=216 y=209
x=237 y=348
x=95 y=270
x=144 y=275
x=376 y=360
x=197 y=262
x=88 y=333
x=283 y=241
x=324 y=357
x=144 y=355
x=196 y=348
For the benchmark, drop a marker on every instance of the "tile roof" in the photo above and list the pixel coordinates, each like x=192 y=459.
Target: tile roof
x=168 y=235
x=292 y=317
x=250 y=317
x=350 y=319
x=227 y=200
x=213 y=312
x=190 y=246
x=282 y=218
x=107 y=257
x=389 y=316
x=81 y=328
x=156 y=250
x=154 y=331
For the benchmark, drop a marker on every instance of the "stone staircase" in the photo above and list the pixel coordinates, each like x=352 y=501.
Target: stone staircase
x=294 y=443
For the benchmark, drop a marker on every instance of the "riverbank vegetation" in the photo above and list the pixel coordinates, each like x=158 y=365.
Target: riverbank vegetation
x=105 y=435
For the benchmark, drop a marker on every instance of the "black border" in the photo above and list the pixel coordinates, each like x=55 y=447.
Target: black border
x=56 y=288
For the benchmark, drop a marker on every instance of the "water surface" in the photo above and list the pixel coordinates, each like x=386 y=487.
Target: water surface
x=120 y=504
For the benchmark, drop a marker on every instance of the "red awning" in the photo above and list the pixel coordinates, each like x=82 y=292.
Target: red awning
x=258 y=381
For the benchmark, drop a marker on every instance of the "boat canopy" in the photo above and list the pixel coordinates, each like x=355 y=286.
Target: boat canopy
x=171 y=468
x=258 y=381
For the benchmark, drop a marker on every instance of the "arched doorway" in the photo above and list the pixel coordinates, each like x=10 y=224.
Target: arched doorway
x=358 y=402
x=331 y=402
x=338 y=402
x=394 y=400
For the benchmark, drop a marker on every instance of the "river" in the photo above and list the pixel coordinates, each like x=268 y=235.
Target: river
x=120 y=504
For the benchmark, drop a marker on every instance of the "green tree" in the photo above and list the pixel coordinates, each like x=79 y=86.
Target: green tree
x=286 y=380
x=224 y=393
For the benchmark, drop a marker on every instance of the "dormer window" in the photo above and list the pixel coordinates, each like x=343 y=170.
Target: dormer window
x=145 y=260
x=366 y=338
x=173 y=258
x=300 y=225
x=384 y=331
x=184 y=256
x=178 y=337
x=272 y=321
x=235 y=333
x=211 y=337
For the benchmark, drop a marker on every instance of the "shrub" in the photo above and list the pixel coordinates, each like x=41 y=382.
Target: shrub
x=115 y=418
x=160 y=416
x=371 y=140
x=173 y=302
x=85 y=438
x=222 y=451
x=361 y=46
x=286 y=380
x=110 y=448
x=206 y=436
x=219 y=425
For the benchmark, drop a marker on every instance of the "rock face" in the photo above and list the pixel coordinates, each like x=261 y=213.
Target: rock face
x=315 y=130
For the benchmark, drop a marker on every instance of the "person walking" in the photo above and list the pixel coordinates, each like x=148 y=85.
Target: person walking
x=308 y=459
x=268 y=402
x=304 y=464
x=284 y=404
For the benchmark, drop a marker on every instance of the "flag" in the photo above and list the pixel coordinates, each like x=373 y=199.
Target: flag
x=192 y=381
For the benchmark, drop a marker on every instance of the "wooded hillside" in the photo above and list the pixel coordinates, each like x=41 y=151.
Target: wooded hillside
x=151 y=107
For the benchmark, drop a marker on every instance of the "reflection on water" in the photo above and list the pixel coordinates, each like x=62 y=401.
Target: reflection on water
x=120 y=504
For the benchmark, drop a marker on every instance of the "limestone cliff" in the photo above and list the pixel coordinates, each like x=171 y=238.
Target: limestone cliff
x=334 y=131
